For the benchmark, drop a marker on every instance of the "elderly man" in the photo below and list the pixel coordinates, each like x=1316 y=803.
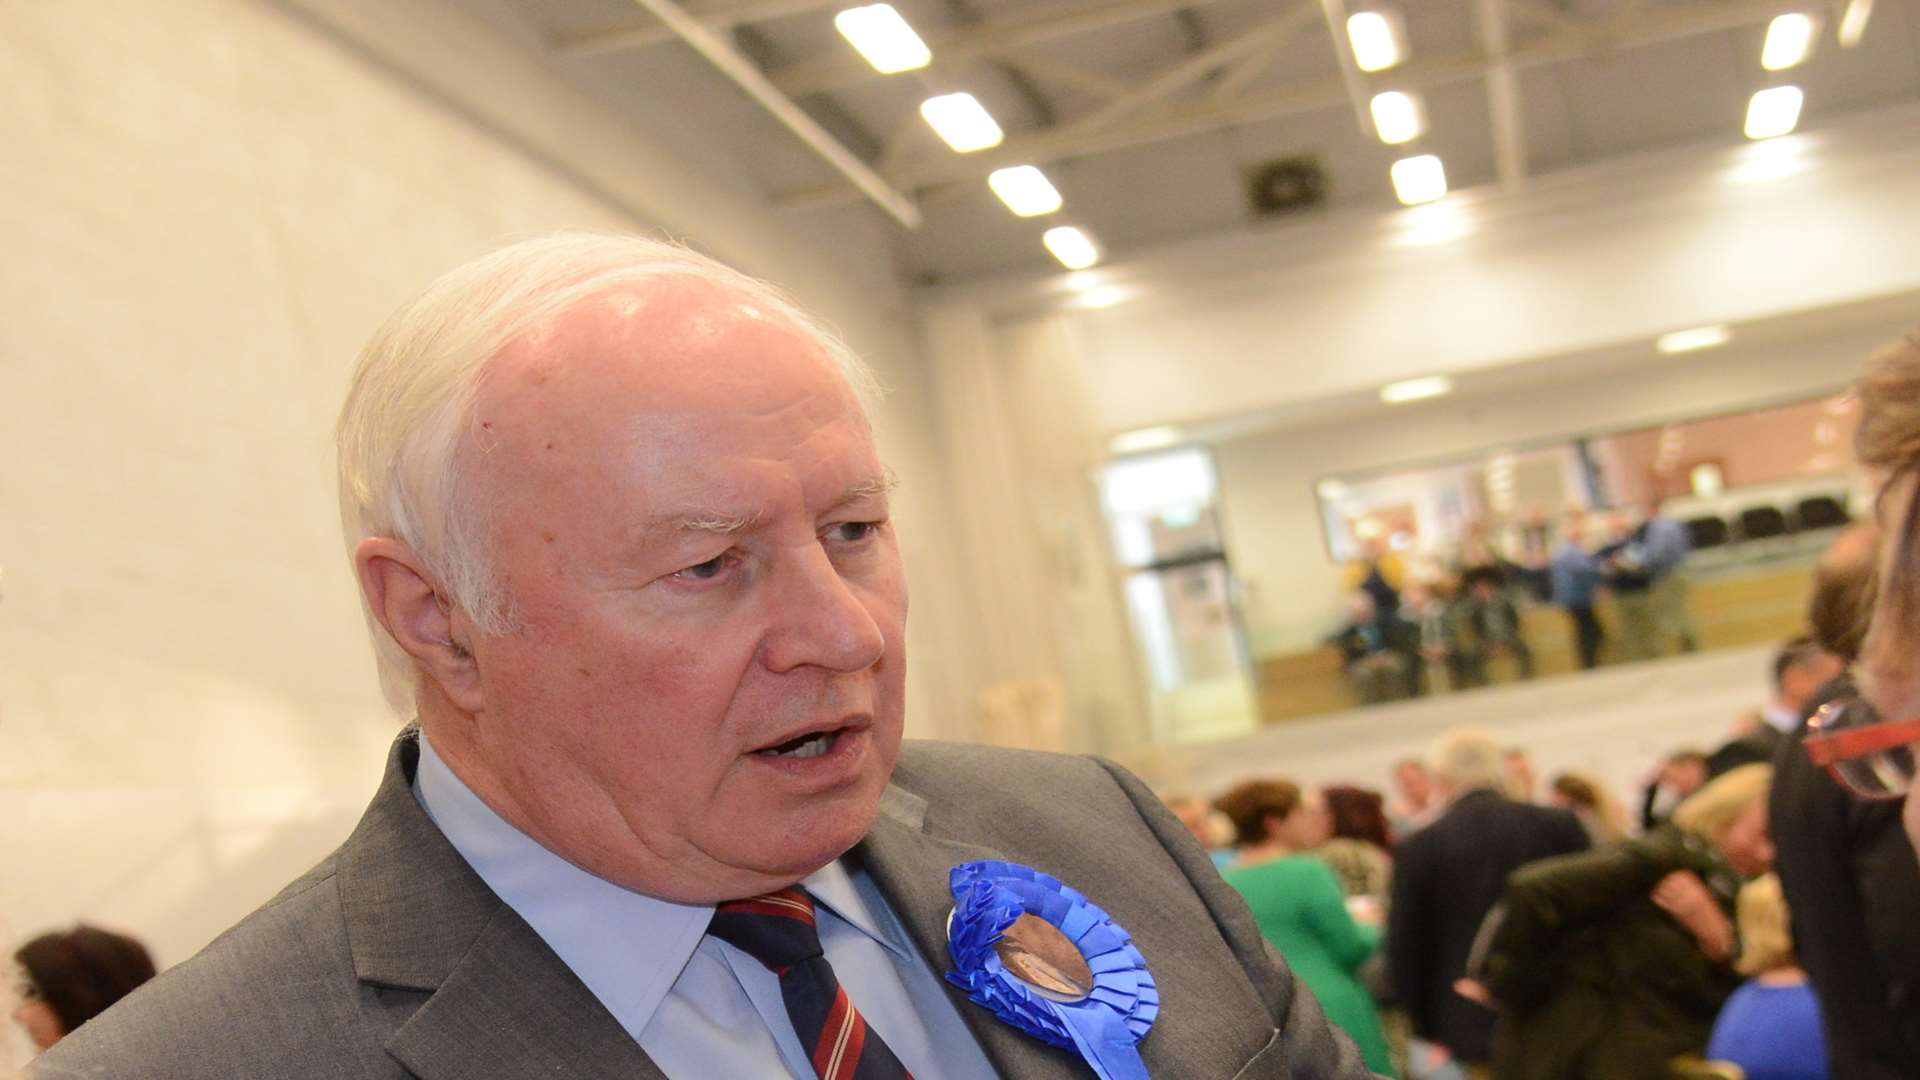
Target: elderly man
x=1446 y=878
x=617 y=515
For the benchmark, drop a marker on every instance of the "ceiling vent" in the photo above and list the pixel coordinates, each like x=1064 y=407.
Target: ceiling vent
x=1286 y=186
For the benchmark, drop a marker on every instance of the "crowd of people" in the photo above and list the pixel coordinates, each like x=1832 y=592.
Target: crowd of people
x=655 y=816
x=1419 y=626
x=1756 y=919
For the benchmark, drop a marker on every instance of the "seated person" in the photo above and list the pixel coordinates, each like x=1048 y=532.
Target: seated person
x=1495 y=621
x=71 y=976
x=1378 y=650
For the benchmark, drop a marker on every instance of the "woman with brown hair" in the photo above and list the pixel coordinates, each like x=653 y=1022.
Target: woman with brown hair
x=72 y=976
x=1299 y=905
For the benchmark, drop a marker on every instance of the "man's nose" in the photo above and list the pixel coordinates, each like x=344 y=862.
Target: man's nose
x=819 y=619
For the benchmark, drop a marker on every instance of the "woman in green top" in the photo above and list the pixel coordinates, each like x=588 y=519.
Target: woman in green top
x=1300 y=908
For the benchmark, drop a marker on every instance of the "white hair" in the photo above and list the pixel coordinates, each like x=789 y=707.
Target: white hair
x=409 y=408
x=1466 y=759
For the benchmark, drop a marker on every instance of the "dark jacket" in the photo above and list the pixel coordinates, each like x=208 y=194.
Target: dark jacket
x=1594 y=980
x=1852 y=884
x=1445 y=878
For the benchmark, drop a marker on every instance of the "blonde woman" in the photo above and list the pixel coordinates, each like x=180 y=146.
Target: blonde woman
x=1611 y=963
x=1770 y=1027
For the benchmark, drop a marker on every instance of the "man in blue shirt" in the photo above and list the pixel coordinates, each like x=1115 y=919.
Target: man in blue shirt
x=1664 y=546
x=1575 y=575
x=622 y=530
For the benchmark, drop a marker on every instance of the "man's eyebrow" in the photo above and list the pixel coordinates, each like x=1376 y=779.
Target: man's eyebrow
x=725 y=524
x=870 y=488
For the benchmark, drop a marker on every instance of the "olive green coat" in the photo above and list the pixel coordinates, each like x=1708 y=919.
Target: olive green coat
x=1594 y=980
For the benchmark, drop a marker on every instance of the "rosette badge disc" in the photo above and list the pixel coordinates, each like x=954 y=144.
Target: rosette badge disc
x=1050 y=963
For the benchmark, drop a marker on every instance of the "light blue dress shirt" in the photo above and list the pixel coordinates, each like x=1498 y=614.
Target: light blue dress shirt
x=699 y=1007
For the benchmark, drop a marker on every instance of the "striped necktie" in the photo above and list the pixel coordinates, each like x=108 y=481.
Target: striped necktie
x=778 y=930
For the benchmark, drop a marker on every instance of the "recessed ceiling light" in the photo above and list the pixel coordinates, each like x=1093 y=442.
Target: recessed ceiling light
x=1153 y=438
x=884 y=38
x=1420 y=179
x=1771 y=159
x=962 y=122
x=1789 y=39
x=1774 y=111
x=1853 y=22
x=1431 y=386
x=1025 y=189
x=1073 y=247
x=1398 y=117
x=1700 y=337
x=1379 y=39
x=1431 y=225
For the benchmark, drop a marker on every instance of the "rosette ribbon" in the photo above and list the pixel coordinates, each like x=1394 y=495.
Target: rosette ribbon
x=1106 y=1026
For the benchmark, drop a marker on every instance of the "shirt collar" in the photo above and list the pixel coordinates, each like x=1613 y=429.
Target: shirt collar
x=573 y=911
x=576 y=913
x=1781 y=718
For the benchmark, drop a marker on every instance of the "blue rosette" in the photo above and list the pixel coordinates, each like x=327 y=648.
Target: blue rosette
x=1106 y=1026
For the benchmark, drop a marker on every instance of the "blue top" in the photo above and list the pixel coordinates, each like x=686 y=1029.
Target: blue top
x=1574 y=575
x=1773 y=1032
x=1665 y=545
x=696 y=1005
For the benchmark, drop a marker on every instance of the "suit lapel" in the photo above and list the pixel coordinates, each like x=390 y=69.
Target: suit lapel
x=510 y=1011
x=910 y=862
x=500 y=1004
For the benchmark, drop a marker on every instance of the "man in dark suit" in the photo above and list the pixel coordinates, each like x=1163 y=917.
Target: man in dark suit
x=618 y=518
x=1447 y=877
x=1801 y=667
x=1845 y=866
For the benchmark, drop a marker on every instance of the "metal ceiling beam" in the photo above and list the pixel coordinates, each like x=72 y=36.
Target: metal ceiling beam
x=720 y=15
x=721 y=54
x=1175 y=77
x=954 y=50
x=1503 y=93
x=1668 y=23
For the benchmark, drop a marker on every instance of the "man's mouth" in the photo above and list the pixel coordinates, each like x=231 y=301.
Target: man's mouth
x=813 y=745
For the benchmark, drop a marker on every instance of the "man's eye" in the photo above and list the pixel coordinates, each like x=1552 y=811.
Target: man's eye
x=705 y=571
x=854 y=531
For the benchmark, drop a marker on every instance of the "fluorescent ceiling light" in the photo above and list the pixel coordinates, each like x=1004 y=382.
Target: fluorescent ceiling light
x=1789 y=40
x=1431 y=386
x=962 y=122
x=1378 y=38
x=1419 y=179
x=1025 y=190
x=1431 y=225
x=1398 y=117
x=1153 y=438
x=1853 y=22
x=1774 y=111
x=1773 y=159
x=1102 y=296
x=1700 y=337
x=884 y=38
x=1073 y=247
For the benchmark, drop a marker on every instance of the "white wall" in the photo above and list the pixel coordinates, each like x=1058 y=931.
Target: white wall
x=209 y=205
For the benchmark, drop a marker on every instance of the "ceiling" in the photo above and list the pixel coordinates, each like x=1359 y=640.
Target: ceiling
x=1150 y=116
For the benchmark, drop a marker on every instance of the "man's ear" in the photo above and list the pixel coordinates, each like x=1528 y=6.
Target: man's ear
x=403 y=596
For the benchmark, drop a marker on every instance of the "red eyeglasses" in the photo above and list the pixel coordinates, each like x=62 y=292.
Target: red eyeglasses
x=1870 y=757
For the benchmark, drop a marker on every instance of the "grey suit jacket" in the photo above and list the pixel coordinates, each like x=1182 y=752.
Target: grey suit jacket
x=392 y=959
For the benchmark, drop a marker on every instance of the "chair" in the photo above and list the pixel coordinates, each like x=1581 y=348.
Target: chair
x=1706 y=532
x=1762 y=523
x=1822 y=512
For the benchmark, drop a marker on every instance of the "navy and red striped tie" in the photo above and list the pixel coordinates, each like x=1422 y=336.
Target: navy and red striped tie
x=778 y=930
